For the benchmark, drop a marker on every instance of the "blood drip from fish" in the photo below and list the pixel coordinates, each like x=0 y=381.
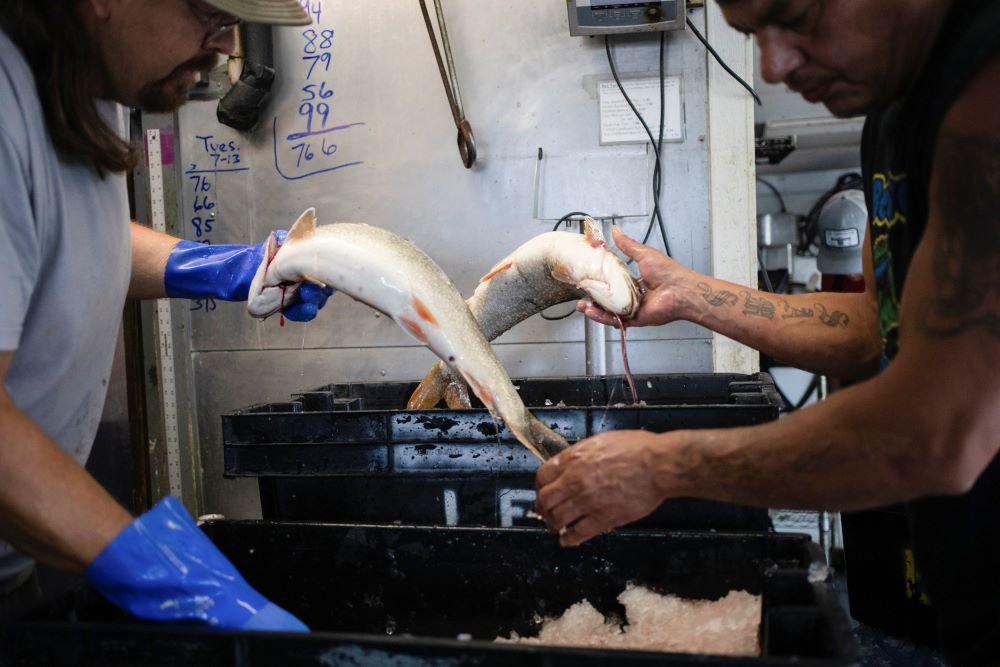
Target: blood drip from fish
x=628 y=371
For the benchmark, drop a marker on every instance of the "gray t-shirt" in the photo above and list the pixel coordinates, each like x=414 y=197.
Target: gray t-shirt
x=65 y=259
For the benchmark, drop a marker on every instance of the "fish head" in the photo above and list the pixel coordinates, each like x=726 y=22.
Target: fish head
x=270 y=291
x=617 y=291
x=269 y=294
x=606 y=281
x=604 y=277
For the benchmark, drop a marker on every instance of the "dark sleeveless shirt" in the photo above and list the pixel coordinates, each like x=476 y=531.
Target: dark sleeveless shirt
x=956 y=539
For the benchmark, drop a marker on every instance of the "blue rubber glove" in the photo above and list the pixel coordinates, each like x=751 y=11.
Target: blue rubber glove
x=163 y=568
x=197 y=270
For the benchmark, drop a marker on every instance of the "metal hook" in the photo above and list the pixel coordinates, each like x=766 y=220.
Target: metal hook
x=466 y=143
x=466 y=139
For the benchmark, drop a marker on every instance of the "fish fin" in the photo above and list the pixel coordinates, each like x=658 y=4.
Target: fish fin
x=303 y=227
x=548 y=441
x=314 y=281
x=480 y=391
x=593 y=233
x=542 y=441
x=423 y=312
x=414 y=328
x=430 y=390
x=499 y=268
x=270 y=249
x=563 y=273
x=456 y=395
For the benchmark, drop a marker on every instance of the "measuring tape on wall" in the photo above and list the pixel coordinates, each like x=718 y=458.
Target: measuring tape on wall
x=164 y=327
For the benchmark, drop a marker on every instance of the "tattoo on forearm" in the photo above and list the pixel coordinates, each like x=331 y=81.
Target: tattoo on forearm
x=966 y=255
x=834 y=319
x=746 y=473
x=757 y=306
x=716 y=299
x=792 y=313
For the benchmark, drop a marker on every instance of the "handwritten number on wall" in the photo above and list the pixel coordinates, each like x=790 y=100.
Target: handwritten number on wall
x=305 y=151
x=214 y=157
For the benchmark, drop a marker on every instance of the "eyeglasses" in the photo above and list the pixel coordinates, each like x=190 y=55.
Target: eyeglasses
x=216 y=24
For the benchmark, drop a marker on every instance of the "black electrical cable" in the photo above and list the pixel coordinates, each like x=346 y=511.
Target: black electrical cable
x=658 y=169
x=657 y=216
x=785 y=285
x=763 y=271
x=568 y=216
x=781 y=200
x=813 y=385
x=784 y=397
x=557 y=317
x=722 y=62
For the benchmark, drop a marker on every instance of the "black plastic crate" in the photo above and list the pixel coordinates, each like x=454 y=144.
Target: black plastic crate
x=459 y=467
x=356 y=585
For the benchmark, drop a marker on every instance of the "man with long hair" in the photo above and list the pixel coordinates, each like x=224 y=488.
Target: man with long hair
x=924 y=427
x=69 y=257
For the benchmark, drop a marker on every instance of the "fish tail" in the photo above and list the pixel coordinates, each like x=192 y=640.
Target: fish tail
x=430 y=390
x=440 y=383
x=539 y=438
x=548 y=441
x=529 y=431
x=456 y=395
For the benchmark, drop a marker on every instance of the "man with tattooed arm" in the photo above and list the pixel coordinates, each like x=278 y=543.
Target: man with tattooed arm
x=922 y=424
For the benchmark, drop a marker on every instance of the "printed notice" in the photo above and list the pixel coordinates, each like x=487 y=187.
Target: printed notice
x=619 y=124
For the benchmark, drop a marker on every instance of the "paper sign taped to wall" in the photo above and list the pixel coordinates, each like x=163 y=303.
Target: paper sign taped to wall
x=619 y=124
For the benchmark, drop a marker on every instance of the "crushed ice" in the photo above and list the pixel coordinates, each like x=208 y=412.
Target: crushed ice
x=655 y=622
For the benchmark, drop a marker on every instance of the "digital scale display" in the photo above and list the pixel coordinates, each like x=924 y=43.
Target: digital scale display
x=609 y=17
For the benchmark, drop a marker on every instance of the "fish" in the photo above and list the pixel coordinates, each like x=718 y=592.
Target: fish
x=393 y=276
x=548 y=269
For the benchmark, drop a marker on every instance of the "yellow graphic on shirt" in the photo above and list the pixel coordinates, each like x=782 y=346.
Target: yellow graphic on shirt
x=912 y=580
x=889 y=210
x=888 y=200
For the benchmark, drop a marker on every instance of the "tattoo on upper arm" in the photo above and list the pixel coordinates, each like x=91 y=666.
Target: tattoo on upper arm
x=757 y=306
x=720 y=298
x=966 y=255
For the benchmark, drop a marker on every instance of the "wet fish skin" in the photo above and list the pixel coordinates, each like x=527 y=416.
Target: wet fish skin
x=392 y=275
x=549 y=269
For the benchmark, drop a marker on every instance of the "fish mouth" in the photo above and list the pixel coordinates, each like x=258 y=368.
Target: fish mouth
x=268 y=294
x=628 y=309
x=621 y=298
x=271 y=295
x=637 y=291
x=288 y=288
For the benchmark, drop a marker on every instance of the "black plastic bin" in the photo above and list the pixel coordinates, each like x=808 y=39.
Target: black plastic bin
x=357 y=585
x=454 y=467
